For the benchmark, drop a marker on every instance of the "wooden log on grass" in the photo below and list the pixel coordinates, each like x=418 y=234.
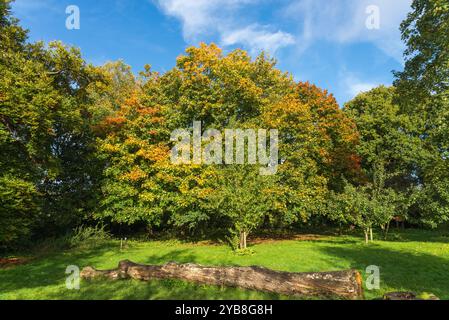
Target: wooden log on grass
x=343 y=284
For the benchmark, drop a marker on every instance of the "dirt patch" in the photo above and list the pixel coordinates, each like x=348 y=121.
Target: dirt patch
x=297 y=237
x=6 y=263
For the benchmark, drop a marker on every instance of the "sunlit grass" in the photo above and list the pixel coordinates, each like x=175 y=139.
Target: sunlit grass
x=416 y=261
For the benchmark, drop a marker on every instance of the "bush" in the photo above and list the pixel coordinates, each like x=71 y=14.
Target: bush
x=19 y=210
x=85 y=236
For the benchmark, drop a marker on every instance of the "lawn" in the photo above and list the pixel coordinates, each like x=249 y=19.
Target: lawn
x=414 y=261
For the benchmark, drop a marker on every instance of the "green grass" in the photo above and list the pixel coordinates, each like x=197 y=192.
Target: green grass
x=415 y=261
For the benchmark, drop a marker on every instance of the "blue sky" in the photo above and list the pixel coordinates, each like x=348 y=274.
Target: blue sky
x=325 y=42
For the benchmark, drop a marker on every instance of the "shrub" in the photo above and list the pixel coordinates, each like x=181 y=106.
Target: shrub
x=83 y=236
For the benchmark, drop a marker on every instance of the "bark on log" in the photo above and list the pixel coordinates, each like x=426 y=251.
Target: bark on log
x=344 y=284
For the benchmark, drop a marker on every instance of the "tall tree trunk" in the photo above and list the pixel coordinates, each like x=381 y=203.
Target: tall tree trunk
x=371 y=234
x=366 y=235
x=345 y=284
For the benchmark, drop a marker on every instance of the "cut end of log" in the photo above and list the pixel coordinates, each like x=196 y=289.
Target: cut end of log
x=345 y=284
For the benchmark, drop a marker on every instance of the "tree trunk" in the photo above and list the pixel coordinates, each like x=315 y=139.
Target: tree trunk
x=387 y=228
x=242 y=244
x=371 y=234
x=244 y=239
x=366 y=236
x=344 y=284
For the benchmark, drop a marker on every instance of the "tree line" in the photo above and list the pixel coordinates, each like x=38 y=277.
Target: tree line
x=83 y=144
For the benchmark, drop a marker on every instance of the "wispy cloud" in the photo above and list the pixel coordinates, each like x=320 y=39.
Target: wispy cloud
x=258 y=38
x=339 y=21
x=356 y=88
x=344 y=21
x=353 y=85
x=224 y=18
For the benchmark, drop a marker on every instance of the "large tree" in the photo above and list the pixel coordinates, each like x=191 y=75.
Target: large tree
x=223 y=92
x=390 y=153
x=387 y=135
x=423 y=93
x=46 y=147
x=424 y=31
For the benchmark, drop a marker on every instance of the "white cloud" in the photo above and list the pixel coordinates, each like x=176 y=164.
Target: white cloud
x=258 y=38
x=308 y=22
x=344 y=21
x=353 y=85
x=356 y=88
x=224 y=18
x=199 y=17
x=195 y=15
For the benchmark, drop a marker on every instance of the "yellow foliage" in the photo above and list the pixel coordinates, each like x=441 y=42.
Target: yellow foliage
x=135 y=174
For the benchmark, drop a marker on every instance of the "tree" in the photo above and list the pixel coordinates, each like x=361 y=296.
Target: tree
x=19 y=210
x=426 y=71
x=45 y=137
x=316 y=149
x=365 y=206
x=20 y=197
x=117 y=85
x=389 y=152
x=223 y=92
x=337 y=133
x=387 y=136
x=245 y=199
x=423 y=93
x=130 y=144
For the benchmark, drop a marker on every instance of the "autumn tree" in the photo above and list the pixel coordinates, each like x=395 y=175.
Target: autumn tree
x=337 y=135
x=222 y=92
x=316 y=150
x=131 y=144
x=81 y=142
x=117 y=85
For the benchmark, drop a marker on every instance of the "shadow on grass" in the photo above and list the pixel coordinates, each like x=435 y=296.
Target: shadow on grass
x=45 y=279
x=157 y=290
x=395 y=235
x=408 y=235
x=48 y=270
x=410 y=272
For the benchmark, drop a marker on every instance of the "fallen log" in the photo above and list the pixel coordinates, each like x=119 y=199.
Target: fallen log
x=344 y=284
x=409 y=296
